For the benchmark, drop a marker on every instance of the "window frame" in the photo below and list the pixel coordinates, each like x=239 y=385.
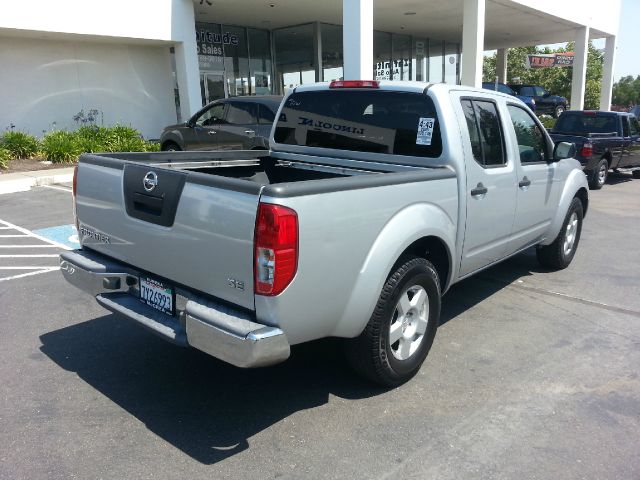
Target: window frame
x=505 y=156
x=536 y=120
x=261 y=121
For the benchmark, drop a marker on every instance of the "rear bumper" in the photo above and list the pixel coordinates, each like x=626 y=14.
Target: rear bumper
x=225 y=333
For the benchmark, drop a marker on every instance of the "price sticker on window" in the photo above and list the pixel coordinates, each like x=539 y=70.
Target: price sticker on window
x=425 y=131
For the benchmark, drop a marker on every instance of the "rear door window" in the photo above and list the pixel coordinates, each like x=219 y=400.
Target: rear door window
x=625 y=126
x=485 y=134
x=265 y=114
x=241 y=113
x=375 y=121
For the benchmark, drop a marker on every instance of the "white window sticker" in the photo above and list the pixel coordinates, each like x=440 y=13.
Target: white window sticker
x=425 y=131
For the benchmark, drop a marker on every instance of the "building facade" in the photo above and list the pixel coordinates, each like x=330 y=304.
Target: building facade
x=149 y=63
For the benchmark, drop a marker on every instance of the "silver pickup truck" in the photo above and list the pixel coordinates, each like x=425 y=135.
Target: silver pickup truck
x=374 y=198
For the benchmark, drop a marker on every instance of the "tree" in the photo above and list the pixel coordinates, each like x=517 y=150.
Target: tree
x=556 y=80
x=626 y=91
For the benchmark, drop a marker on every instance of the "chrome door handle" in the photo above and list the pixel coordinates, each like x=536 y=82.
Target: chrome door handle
x=479 y=190
x=211 y=132
x=250 y=132
x=525 y=182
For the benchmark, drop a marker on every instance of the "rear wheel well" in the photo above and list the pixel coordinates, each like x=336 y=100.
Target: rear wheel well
x=583 y=196
x=434 y=250
x=608 y=158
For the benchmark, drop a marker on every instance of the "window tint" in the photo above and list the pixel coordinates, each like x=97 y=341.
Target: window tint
x=241 y=113
x=361 y=120
x=581 y=123
x=212 y=116
x=265 y=114
x=472 y=126
x=527 y=91
x=540 y=91
x=625 y=126
x=635 y=127
x=505 y=89
x=532 y=143
x=484 y=132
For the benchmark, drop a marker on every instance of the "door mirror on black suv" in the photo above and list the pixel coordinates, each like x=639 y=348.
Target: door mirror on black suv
x=564 y=150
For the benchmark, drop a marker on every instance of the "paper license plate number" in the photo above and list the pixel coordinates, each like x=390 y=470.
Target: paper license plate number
x=156 y=295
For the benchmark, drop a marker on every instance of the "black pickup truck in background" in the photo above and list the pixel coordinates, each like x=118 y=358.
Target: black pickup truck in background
x=604 y=141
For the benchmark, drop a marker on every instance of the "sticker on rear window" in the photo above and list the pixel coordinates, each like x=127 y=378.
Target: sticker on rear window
x=425 y=131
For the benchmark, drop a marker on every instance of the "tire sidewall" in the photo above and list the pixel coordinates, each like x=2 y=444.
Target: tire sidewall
x=420 y=274
x=576 y=206
x=558 y=110
x=597 y=173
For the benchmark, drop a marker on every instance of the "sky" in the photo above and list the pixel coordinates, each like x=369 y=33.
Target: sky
x=627 y=58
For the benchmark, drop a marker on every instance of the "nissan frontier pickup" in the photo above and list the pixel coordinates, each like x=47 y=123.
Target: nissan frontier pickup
x=373 y=199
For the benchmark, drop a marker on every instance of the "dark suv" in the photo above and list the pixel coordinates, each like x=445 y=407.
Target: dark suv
x=238 y=123
x=545 y=102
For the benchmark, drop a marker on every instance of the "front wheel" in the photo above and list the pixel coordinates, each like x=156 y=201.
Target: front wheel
x=559 y=110
x=398 y=337
x=559 y=254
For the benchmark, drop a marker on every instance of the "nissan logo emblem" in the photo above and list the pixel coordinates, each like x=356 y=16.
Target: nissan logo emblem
x=150 y=181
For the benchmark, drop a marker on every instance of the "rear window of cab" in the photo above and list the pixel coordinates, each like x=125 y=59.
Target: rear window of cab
x=398 y=123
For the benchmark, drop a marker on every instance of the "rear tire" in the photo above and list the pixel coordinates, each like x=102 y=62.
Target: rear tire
x=559 y=110
x=636 y=174
x=171 y=147
x=400 y=332
x=598 y=177
x=560 y=253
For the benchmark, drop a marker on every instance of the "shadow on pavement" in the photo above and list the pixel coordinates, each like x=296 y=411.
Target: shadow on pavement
x=205 y=407
x=615 y=178
x=209 y=409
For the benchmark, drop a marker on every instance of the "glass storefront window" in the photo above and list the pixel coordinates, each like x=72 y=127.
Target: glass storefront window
x=294 y=56
x=382 y=55
x=401 y=64
x=236 y=60
x=436 y=74
x=259 y=61
x=451 y=63
x=420 y=64
x=332 y=55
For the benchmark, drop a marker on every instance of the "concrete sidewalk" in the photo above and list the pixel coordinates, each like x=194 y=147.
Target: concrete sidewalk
x=23 y=181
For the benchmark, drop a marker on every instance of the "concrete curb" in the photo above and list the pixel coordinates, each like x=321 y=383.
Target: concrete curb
x=23 y=181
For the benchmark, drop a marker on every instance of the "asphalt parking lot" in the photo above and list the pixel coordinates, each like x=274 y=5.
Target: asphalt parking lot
x=533 y=375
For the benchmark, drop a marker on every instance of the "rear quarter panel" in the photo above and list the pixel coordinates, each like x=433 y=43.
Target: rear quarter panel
x=348 y=243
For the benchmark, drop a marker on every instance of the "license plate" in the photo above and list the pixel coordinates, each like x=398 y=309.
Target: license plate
x=157 y=295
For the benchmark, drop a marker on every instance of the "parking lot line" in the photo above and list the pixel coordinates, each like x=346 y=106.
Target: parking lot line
x=22 y=275
x=26 y=268
x=47 y=255
x=54 y=187
x=32 y=246
x=34 y=235
x=13 y=236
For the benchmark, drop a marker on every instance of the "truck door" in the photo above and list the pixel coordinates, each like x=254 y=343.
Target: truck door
x=631 y=142
x=203 y=135
x=490 y=187
x=538 y=182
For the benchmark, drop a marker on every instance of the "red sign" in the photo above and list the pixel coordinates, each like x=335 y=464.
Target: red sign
x=545 y=60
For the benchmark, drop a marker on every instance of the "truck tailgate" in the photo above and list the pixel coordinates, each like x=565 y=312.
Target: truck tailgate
x=191 y=229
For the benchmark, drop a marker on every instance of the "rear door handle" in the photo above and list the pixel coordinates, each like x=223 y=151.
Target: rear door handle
x=525 y=182
x=479 y=190
x=211 y=132
x=250 y=132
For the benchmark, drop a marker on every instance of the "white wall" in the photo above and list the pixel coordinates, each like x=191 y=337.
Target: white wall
x=146 y=19
x=45 y=81
x=603 y=15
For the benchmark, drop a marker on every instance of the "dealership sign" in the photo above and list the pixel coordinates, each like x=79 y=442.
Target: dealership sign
x=543 y=60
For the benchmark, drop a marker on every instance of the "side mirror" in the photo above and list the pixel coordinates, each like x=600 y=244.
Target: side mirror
x=546 y=94
x=564 y=150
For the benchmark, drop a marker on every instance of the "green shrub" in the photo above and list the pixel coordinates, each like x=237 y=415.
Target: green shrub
x=20 y=144
x=5 y=156
x=151 y=146
x=61 y=146
x=547 y=121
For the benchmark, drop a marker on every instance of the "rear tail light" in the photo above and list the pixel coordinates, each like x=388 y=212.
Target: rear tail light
x=276 y=249
x=74 y=188
x=586 y=151
x=354 y=84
